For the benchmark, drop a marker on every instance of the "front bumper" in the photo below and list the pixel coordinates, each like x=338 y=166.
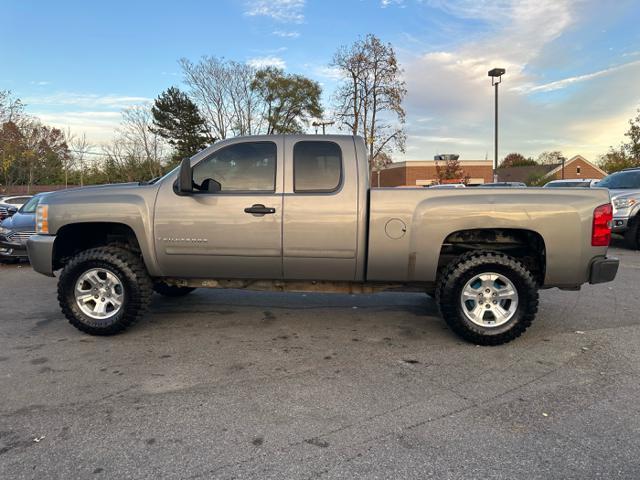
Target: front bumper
x=40 y=250
x=603 y=270
x=12 y=250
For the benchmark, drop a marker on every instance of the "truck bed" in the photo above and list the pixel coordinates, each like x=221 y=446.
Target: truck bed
x=408 y=227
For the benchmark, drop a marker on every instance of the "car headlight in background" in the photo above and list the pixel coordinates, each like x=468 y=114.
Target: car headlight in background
x=621 y=203
x=42 y=219
x=4 y=231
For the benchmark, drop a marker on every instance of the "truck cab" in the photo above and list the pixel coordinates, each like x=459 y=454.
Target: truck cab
x=272 y=208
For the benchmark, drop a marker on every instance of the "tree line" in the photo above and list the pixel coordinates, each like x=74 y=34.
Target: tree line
x=224 y=98
x=220 y=99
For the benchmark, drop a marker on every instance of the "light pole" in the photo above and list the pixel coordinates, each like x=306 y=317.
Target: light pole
x=496 y=78
x=321 y=124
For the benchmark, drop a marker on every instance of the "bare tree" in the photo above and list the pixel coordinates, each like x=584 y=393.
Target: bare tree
x=10 y=107
x=140 y=141
x=551 y=158
x=369 y=100
x=80 y=147
x=222 y=90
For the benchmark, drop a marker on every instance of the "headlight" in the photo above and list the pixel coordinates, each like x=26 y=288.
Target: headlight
x=621 y=203
x=4 y=231
x=42 y=219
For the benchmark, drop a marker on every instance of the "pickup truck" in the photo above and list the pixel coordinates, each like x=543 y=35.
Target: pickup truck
x=296 y=213
x=624 y=188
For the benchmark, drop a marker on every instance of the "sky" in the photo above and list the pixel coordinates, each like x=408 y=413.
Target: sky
x=572 y=81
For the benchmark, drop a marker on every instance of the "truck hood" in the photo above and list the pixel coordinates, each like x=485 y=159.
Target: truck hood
x=92 y=189
x=623 y=192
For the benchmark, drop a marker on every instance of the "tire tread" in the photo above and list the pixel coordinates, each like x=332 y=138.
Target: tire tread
x=447 y=299
x=135 y=271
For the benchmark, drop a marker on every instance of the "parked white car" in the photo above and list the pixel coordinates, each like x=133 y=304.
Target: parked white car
x=573 y=183
x=15 y=200
x=449 y=185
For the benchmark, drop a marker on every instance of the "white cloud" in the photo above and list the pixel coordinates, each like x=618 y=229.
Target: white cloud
x=387 y=3
x=325 y=71
x=40 y=82
x=268 y=61
x=86 y=100
x=99 y=126
x=96 y=115
x=451 y=86
x=286 y=34
x=565 y=82
x=286 y=11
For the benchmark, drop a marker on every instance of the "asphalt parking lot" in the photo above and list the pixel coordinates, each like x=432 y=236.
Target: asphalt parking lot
x=234 y=384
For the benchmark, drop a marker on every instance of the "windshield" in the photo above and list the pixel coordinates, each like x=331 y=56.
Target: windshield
x=620 y=180
x=30 y=206
x=567 y=184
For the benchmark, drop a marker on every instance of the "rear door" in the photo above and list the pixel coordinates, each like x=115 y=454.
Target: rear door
x=320 y=223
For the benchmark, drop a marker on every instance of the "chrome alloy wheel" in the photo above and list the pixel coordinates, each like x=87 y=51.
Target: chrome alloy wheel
x=489 y=299
x=99 y=293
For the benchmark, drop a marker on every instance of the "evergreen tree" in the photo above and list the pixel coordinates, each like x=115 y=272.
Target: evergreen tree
x=177 y=119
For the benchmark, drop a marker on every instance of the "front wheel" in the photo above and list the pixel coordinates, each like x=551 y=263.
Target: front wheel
x=104 y=290
x=487 y=298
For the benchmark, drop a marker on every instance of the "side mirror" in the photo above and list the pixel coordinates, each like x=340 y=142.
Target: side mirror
x=11 y=211
x=185 y=178
x=210 y=185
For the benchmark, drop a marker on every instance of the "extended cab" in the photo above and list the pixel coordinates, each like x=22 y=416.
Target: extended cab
x=296 y=213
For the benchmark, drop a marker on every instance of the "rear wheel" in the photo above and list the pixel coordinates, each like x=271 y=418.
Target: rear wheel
x=104 y=290
x=487 y=298
x=171 y=290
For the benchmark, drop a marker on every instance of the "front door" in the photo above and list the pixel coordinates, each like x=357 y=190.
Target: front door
x=233 y=230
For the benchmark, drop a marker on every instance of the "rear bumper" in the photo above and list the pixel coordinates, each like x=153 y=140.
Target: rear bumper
x=603 y=270
x=40 y=250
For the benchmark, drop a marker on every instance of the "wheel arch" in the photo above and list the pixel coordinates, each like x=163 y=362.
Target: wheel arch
x=525 y=245
x=76 y=237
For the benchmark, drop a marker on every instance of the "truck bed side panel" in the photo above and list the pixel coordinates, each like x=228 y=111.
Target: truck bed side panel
x=563 y=218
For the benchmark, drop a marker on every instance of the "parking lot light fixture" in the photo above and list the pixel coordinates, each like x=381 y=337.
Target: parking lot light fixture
x=496 y=78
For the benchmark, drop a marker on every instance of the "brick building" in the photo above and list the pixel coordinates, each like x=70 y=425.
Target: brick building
x=575 y=168
x=423 y=172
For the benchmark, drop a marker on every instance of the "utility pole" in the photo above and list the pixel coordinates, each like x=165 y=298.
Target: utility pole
x=496 y=78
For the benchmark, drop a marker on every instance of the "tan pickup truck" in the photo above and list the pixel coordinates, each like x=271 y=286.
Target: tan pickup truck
x=297 y=213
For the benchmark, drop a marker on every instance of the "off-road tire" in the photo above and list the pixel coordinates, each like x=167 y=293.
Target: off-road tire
x=171 y=290
x=632 y=235
x=463 y=269
x=128 y=267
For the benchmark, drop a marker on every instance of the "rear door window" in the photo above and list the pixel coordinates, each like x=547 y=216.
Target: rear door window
x=317 y=167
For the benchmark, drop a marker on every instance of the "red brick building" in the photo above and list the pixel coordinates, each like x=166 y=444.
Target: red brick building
x=575 y=168
x=423 y=172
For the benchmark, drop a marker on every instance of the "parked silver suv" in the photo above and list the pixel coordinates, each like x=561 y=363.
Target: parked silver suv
x=624 y=188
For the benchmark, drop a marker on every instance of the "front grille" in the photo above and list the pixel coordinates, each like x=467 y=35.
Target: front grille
x=19 y=237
